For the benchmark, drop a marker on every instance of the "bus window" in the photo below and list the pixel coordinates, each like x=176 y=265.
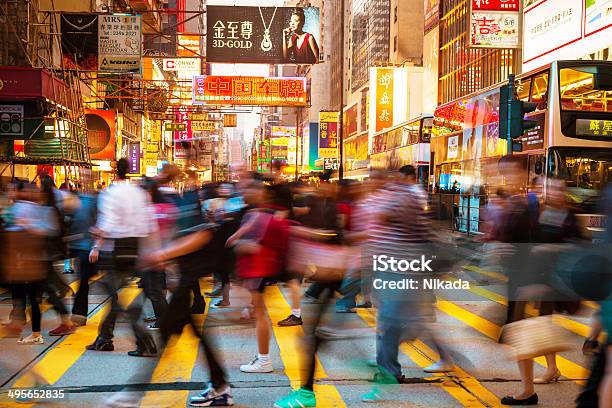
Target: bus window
x=586 y=171
x=522 y=88
x=579 y=94
x=539 y=90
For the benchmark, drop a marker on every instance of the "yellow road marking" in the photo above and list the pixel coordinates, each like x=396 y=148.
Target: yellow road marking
x=494 y=275
x=504 y=278
x=176 y=364
x=61 y=357
x=423 y=356
x=44 y=307
x=568 y=368
x=562 y=321
x=289 y=340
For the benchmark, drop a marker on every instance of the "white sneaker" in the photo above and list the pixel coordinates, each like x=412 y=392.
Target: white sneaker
x=257 y=366
x=31 y=340
x=438 y=367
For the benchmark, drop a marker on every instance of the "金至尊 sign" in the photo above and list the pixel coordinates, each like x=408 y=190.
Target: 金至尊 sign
x=119 y=42
x=328 y=134
x=257 y=91
x=494 y=24
x=265 y=35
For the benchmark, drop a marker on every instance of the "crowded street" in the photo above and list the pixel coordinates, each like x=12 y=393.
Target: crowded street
x=305 y=203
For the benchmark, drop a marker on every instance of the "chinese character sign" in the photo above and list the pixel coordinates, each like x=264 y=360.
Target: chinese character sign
x=328 y=134
x=257 y=91
x=494 y=24
x=119 y=43
x=268 y=35
x=134 y=157
x=384 y=98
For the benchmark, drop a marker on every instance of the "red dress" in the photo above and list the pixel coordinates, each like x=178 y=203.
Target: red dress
x=304 y=53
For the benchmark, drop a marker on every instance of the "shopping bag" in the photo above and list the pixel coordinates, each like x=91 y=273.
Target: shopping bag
x=318 y=261
x=534 y=337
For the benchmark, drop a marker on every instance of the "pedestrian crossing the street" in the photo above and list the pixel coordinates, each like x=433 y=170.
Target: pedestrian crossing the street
x=482 y=374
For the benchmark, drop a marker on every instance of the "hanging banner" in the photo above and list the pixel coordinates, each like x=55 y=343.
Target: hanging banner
x=119 y=42
x=79 y=40
x=264 y=35
x=350 y=121
x=254 y=91
x=384 y=98
x=328 y=134
x=134 y=158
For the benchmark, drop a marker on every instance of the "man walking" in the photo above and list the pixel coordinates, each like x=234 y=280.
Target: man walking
x=124 y=218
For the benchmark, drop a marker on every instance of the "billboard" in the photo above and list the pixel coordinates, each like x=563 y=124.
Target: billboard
x=188 y=45
x=350 y=121
x=328 y=134
x=432 y=14
x=258 y=91
x=571 y=29
x=101 y=134
x=266 y=35
x=181 y=64
x=79 y=40
x=494 y=24
x=119 y=42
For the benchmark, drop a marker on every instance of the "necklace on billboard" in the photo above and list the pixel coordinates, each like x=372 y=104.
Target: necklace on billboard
x=266 y=43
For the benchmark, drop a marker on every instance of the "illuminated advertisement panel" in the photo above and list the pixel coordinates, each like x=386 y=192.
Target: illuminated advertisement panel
x=257 y=91
x=494 y=24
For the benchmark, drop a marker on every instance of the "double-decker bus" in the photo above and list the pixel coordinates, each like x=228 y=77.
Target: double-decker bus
x=572 y=140
x=403 y=144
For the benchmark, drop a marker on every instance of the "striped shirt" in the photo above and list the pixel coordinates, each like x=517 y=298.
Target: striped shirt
x=400 y=227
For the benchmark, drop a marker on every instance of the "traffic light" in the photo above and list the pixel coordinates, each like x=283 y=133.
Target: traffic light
x=511 y=114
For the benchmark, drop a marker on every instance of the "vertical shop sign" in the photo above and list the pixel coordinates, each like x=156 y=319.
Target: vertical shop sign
x=384 y=98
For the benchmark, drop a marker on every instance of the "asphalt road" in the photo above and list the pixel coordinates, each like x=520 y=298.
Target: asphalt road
x=468 y=323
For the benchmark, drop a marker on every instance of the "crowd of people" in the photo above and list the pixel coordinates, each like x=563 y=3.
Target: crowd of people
x=262 y=231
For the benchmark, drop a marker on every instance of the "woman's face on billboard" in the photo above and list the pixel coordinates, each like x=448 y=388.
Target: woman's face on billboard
x=295 y=23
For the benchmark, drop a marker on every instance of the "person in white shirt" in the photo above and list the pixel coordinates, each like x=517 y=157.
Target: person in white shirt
x=124 y=219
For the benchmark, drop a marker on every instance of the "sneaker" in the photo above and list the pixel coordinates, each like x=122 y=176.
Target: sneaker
x=31 y=339
x=292 y=320
x=211 y=397
x=123 y=399
x=101 y=345
x=62 y=330
x=257 y=366
x=373 y=396
x=154 y=326
x=220 y=304
x=301 y=398
x=141 y=352
x=438 y=367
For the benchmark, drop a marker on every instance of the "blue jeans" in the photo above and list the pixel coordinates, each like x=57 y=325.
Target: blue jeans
x=397 y=322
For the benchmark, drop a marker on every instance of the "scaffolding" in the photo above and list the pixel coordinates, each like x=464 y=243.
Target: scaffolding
x=32 y=38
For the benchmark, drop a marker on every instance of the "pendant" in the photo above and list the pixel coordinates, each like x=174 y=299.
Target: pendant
x=266 y=43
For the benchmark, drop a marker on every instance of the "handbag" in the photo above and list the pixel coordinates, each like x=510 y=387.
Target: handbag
x=318 y=261
x=23 y=257
x=534 y=337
